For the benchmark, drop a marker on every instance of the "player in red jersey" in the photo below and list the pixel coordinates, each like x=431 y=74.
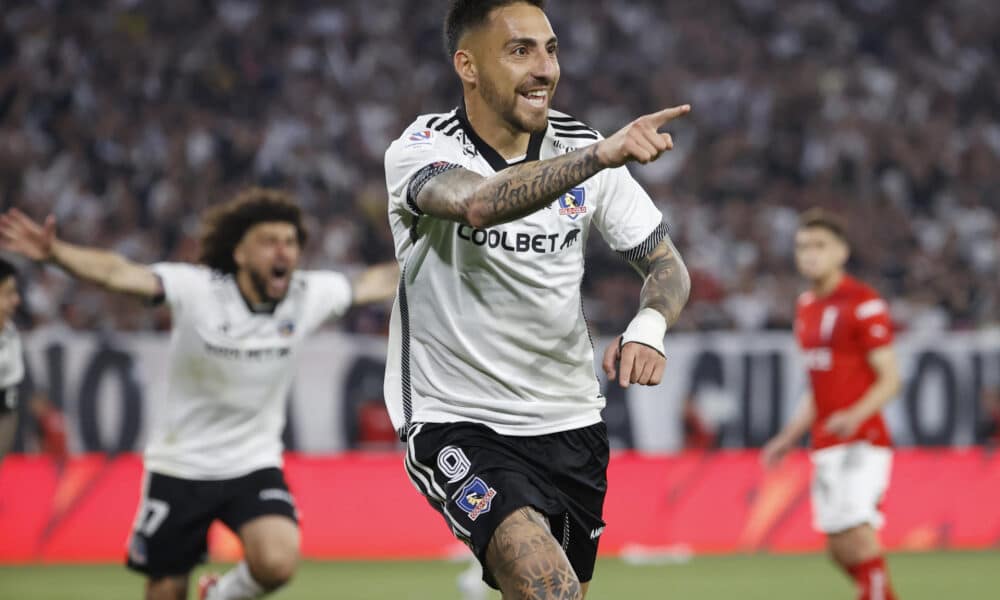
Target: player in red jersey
x=845 y=333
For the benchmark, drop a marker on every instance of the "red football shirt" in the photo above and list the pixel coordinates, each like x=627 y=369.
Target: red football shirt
x=836 y=333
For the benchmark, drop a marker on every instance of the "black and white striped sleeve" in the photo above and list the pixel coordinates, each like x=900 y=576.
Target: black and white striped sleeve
x=647 y=245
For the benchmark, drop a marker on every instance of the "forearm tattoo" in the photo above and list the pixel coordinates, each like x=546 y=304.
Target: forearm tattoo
x=527 y=561
x=461 y=195
x=667 y=282
x=523 y=189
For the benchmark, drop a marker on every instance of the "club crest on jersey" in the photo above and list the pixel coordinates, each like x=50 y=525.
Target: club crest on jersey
x=475 y=498
x=571 y=204
x=286 y=328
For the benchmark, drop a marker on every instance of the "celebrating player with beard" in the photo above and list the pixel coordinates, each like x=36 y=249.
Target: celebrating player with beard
x=240 y=318
x=490 y=373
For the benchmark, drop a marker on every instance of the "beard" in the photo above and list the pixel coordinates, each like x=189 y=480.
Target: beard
x=259 y=283
x=506 y=106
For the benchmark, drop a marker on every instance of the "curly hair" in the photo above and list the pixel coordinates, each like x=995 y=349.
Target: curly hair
x=224 y=225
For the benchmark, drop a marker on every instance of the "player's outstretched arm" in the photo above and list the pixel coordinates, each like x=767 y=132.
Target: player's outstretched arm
x=639 y=351
x=113 y=272
x=467 y=197
x=375 y=284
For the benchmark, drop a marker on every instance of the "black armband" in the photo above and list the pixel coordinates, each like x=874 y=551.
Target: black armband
x=420 y=179
x=647 y=245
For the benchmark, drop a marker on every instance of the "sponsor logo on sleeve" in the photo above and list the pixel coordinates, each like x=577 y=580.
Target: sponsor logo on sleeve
x=423 y=137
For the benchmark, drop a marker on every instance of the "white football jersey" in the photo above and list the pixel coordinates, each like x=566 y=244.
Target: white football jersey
x=11 y=366
x=488 y=325
x=230 y=370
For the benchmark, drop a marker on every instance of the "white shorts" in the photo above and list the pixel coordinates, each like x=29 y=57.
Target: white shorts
x=848 y=483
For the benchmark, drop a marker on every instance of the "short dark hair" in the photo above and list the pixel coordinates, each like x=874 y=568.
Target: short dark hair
x=824 y=219
x=464 y=15
x=224 y=225
x=7 y=269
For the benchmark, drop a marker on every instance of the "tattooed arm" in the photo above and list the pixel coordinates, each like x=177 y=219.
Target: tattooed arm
x=637 y=356
x=667 y=282
x=461 y=195
x=467 y=197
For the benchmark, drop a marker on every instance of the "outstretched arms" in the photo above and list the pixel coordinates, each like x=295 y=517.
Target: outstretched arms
x=375 y=284
x=112 y=271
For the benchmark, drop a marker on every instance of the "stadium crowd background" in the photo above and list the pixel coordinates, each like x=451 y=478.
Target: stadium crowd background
x=127 y=118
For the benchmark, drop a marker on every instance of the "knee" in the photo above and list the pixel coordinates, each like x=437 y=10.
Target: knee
x=274 y=568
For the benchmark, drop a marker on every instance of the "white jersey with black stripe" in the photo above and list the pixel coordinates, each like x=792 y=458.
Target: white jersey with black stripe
x=230 y=370
x=488 y=324
x=11 y=366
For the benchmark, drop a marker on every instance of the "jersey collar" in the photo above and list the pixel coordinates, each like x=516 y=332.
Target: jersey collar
x=497 y=162
x=262 y=308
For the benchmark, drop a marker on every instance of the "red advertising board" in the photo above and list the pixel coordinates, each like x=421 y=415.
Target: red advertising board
x=363 y=506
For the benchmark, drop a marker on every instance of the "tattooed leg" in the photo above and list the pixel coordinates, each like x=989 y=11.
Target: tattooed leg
x=528 y=563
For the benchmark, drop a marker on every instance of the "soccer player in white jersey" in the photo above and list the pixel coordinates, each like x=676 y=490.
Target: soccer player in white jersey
x=490 y=373
x=11 y=360
x=239 y=321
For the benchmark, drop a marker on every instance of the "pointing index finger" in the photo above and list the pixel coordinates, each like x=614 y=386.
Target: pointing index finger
x=668 y=114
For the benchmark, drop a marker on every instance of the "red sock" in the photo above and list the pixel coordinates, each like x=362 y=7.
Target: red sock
x=872 y=580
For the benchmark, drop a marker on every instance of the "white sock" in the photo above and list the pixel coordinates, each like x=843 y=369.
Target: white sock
x=470 y=582
x=236 y=584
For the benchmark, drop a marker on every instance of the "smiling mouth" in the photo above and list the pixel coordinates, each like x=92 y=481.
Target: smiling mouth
x=536 y=98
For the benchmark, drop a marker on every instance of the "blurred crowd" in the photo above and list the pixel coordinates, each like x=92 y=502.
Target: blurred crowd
x=126 y=118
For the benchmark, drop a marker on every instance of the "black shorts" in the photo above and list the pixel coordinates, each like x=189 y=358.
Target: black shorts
x=476 y=477
x=170 y=534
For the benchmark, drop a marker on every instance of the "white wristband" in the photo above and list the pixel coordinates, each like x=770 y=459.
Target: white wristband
x=648 y=328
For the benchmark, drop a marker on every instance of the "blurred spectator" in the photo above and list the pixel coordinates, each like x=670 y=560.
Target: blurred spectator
x=128 y=117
